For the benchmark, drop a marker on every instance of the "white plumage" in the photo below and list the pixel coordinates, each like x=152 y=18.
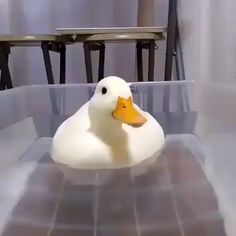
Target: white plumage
x=96 y=138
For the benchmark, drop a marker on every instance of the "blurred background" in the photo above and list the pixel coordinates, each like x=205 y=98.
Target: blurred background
x=207 y=53
x=44 y=16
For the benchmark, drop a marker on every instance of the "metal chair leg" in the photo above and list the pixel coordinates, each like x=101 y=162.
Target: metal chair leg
x=2 y=82
x=6 y=81
x=47 y=62
x=151 y=60
x=172 y=17
x=179 y=63
x=7 y=77
x=7 y=71
x=139 y=50
x=101 y=61
x=63 y=64
x=88 y=62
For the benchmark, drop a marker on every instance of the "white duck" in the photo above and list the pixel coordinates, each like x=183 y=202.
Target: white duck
x=108 y=132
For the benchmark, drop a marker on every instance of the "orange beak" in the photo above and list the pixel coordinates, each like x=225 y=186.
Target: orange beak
x=126 y=113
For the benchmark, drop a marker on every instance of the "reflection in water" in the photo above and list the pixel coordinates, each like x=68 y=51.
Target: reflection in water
x=99 y=177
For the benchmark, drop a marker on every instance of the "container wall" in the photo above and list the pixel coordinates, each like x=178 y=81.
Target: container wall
x=203 y=111
x=216 y=128
x=47 y=101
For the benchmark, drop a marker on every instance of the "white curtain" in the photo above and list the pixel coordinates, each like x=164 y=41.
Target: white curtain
x=208 y=36
x=44 y=16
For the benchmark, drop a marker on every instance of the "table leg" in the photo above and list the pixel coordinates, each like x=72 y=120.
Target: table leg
x=47 y=62
x=172 y=17
x=62 y=64
x=179 y=63
x=88 y=62
x=6 y=81
x=2 y=83
x=139 y=49
x=151 y=60
x=101 y=61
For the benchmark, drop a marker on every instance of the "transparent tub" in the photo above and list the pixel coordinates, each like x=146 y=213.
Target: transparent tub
x=189 y=190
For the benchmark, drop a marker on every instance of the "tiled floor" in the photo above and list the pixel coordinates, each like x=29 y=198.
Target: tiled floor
x=162 y=231
x=76 y=206
x=117 y=232
x=157 y=177
x=71 y=232
x=21 y=229
x=155 y=208
x=172 y=198
x=204 y=227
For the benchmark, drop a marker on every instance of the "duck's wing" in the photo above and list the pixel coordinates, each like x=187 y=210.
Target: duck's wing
x=146 y=140
x=78 y=122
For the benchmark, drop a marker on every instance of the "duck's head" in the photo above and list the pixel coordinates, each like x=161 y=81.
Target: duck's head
x=112 y=101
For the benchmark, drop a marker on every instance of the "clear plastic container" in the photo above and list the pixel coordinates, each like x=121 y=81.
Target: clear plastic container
x=189 y=190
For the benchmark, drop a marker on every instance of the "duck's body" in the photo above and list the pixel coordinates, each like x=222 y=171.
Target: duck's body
x=93 y=139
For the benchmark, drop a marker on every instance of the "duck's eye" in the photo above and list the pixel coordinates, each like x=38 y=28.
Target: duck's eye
x=104 y=90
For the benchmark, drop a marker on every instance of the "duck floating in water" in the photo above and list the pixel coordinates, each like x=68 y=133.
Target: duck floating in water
x=108 y=132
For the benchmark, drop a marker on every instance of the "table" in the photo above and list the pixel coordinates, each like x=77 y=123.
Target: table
x=95 y=39
x=53 y=42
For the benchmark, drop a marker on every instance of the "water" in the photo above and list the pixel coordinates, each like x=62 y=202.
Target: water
x=170 y=197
